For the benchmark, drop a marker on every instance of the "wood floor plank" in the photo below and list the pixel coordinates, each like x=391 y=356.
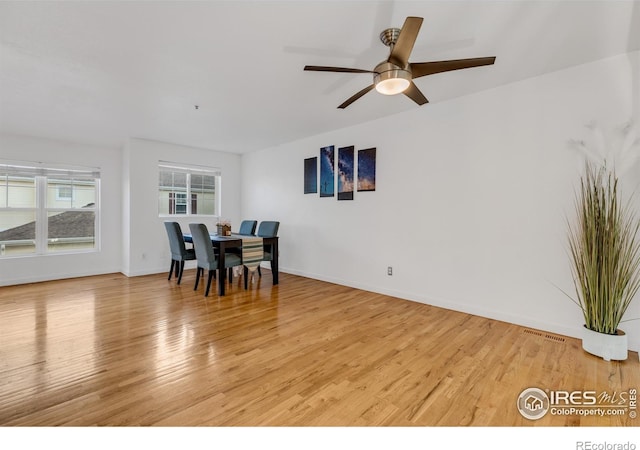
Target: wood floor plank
x=112 y=350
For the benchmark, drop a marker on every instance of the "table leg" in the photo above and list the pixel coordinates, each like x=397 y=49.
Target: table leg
x=274 y=261
x=222 y=273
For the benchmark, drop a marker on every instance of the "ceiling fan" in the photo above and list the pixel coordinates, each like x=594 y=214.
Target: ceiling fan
x=395 y=75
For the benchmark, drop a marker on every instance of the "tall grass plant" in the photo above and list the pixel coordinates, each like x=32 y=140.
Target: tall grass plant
x=605 y=251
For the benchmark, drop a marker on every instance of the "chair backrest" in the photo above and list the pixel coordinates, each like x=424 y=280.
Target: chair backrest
x=202 y=243
x=176 y=240
x=248 y=227
x=268 y=228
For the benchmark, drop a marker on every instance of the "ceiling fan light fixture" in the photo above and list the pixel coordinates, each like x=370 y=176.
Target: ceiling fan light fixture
x=392 y=82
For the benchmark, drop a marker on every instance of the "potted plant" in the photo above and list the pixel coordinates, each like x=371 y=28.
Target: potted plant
x=605 y=261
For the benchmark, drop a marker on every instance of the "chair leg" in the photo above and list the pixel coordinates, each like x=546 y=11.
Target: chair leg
x=181 y=271
x=173 y=263
x=198 y=272
x=230 y=275
x=246 y=278
x=259 y=271
x=209 y=278
x=177 y=268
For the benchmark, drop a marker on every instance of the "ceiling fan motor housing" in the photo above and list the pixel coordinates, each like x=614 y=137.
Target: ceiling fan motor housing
x=390 y=79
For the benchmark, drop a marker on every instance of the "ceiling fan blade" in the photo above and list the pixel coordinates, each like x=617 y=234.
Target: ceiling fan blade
x=414 y=94
x=355 y=97
x=335 y=69
x=429 y=68
x=402 y=49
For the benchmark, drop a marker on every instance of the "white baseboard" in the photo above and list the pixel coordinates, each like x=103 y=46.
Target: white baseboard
x=38 y=278
x=140 y=273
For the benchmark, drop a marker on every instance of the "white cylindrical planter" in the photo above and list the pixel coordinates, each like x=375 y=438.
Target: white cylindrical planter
x=607 y=346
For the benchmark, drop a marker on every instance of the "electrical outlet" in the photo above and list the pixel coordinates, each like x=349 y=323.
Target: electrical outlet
x=389 y=270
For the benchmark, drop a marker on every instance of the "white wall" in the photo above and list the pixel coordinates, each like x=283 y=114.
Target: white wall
x=471 y=201
x=145 y=244
x=49 y=267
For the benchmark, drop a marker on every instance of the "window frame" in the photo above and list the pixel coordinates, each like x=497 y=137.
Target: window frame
x=42 y=174
x=189 y=198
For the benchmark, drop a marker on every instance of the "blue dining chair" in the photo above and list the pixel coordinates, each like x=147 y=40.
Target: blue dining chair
x=179 y=252
x=206 y=257
x=267 y=228
x=248 y=227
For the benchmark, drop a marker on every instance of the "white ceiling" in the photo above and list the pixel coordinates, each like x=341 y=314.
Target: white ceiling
x=100 y=72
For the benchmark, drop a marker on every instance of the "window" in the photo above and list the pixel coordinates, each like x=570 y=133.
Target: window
x=64 y=193
x=47 y=210
x=188 y=190
x=177 y=203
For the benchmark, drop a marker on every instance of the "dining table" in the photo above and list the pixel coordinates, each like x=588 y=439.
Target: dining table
x=224 y=243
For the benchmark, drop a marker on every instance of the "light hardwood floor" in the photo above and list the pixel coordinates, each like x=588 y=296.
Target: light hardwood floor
x=112 y=350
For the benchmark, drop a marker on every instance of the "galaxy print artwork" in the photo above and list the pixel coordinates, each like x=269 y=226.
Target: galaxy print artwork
x=345 y=173
x=327 y=171
x=311 y=175
x=367 y=170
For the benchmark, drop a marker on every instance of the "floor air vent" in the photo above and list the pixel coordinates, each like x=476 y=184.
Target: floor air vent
x=550 y=337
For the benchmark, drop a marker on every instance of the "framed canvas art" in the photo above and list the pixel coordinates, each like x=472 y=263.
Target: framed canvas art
x=311 y=175
x=327 y=171
x=367 y=169
x=345 y=173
